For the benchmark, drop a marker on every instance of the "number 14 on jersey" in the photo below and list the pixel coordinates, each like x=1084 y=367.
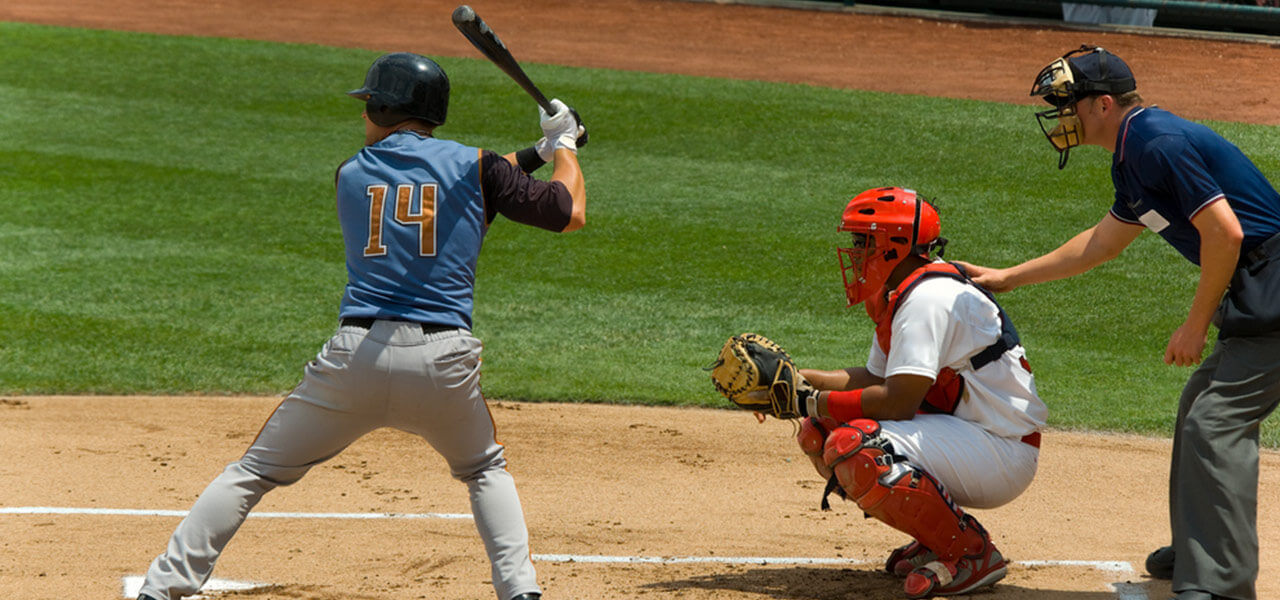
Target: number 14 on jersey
x=424 y=217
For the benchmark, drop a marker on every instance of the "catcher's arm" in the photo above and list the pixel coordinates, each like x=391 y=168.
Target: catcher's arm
x=896 y=399
x=851 y=378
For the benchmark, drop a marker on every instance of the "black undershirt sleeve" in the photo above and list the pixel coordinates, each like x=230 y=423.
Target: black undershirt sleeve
x=512 y=193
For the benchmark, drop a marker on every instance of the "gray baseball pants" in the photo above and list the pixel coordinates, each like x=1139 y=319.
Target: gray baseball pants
x=1213 y=482
x=391 y=375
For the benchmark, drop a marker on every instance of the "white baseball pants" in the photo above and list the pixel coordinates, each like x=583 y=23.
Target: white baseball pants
x=392 y=375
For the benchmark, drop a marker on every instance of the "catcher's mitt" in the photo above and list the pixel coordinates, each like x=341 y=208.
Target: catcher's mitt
x=756 y=374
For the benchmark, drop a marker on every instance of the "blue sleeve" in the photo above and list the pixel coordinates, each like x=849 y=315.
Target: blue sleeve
x=1172 y=165
x=1120 y=208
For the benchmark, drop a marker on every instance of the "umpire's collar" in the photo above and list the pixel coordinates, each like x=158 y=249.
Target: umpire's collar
x=1124 y=132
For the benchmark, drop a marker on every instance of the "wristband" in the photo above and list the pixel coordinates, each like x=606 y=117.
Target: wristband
x=529 y=160
x=845 y=406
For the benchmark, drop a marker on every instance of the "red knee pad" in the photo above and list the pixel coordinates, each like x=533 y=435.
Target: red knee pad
x=813 y=434
x=812 y=437
x=845 y=440
x=897 y=493
x=850 y=452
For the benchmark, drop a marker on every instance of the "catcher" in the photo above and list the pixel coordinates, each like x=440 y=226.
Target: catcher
x=944 y=414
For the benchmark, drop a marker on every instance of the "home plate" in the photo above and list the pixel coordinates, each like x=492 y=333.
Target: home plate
x=133 y=585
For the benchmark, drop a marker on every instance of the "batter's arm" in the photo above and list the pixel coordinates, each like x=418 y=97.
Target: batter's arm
x=568 y=173
x=1086 y=250
x=1220 y=239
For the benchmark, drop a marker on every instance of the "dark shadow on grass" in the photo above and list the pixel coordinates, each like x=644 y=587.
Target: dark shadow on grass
x=818 y=583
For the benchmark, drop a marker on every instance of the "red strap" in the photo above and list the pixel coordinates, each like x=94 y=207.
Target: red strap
x=884 y=304
x=1032 y=439
x=845 y=406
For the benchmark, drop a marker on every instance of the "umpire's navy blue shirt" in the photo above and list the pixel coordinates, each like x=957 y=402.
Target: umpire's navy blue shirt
x=1167 y=169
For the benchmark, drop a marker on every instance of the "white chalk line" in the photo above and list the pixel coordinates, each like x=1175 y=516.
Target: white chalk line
x=1115 y=568
x=56 y=510
x=1124 y=591
x=1107 y=566
x=673 y=560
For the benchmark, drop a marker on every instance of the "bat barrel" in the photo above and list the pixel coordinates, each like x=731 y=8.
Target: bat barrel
x=486 y=41
x=463 y=14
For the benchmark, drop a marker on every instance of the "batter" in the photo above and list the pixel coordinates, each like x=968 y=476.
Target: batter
x=414 y=211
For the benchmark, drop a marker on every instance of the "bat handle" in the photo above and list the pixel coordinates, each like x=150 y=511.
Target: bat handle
x=542 y=101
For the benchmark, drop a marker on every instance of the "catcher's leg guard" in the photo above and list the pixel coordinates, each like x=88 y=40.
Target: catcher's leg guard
x=812 y=438
x=902 y=496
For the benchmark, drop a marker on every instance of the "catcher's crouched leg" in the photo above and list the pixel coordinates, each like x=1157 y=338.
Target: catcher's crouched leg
x=910 y=500
x=812 y=438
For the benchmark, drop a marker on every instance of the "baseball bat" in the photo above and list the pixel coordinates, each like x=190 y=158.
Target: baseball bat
x=486 y=41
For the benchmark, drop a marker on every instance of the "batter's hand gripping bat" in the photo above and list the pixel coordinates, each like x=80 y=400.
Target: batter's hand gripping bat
x=487 y=42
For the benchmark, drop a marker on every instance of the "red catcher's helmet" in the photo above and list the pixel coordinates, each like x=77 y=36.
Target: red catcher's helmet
x=888 y=224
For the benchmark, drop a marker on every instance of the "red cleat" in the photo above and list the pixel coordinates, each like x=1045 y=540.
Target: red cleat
x=949 y=578
x=905 y=559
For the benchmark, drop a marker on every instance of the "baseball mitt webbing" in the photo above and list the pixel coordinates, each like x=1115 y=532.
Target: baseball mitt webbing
x=756 y=374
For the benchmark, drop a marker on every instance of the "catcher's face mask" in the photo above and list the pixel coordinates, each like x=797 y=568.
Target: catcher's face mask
x=857 y=270
x=883 y=223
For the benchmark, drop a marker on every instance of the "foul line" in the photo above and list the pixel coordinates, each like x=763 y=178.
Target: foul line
x=1123 y=590
x=1109 y=566
x=671 y=560
x=55 y=510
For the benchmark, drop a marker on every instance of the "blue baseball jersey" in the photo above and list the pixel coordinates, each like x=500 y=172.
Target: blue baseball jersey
x=414 y=211
x=1167 y=169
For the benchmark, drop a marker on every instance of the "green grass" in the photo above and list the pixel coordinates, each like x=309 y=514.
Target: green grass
x=167 y=226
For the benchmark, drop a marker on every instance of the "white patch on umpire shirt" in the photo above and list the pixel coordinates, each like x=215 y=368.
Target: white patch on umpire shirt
x=1153 y=221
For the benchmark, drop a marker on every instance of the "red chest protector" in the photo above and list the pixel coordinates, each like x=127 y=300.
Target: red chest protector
x=948 y=387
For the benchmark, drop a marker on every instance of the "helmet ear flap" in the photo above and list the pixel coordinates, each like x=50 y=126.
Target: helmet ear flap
x=381 y=113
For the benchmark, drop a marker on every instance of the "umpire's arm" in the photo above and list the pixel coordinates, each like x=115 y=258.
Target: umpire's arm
x=1220 y=239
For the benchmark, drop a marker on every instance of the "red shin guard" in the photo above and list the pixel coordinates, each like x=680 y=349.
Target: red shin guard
x=897 y=493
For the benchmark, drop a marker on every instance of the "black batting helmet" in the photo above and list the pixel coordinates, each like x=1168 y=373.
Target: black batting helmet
x=403 y=85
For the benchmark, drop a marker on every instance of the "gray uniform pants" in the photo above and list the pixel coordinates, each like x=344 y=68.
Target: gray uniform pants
x=392 y=375
x=1213 y=483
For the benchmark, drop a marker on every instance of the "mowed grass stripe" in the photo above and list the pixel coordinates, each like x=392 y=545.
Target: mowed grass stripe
x=173 y=197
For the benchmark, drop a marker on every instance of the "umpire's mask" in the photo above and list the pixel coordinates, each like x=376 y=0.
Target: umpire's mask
x=1085 y=71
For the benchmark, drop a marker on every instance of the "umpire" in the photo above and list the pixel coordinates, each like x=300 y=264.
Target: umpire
x=1208 y=200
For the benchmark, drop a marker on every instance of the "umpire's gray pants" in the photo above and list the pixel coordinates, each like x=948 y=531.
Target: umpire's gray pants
x=1213 y=482
x=392 y=375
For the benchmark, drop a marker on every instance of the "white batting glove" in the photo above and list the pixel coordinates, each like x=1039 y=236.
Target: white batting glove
x=547 y=150
x=560 y=129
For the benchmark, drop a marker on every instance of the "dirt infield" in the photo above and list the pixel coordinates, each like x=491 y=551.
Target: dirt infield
x=623 y=484
x=1228 y=81
x=596 y=481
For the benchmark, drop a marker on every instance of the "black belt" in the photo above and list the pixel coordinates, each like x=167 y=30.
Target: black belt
x=367 y=323
x=1260 y=253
